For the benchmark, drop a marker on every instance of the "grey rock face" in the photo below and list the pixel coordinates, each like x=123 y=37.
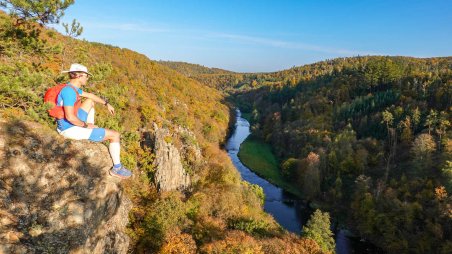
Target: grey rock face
x=56 y=195
x=170 y=174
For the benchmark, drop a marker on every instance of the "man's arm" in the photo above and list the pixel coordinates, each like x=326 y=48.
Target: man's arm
x=97 y=99
x=93 y=97
x=71 y=117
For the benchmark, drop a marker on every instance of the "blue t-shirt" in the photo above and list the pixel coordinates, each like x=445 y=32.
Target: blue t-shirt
x=67 y=97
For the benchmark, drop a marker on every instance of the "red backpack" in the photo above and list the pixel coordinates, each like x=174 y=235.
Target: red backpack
x=51 y=96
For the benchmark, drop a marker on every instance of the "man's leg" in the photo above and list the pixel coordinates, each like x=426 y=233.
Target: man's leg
x=114 y=147
x=88 y=107
x=115 y=150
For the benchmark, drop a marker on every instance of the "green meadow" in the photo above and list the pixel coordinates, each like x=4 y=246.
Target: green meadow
x=258 y=156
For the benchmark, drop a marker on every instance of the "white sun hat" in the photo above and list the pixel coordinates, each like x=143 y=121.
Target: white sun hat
x=75 y=67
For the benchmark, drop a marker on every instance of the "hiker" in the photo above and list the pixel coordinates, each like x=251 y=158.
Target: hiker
x=78 y=120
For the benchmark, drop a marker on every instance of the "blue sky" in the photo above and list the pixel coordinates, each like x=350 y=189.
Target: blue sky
x=263 y=36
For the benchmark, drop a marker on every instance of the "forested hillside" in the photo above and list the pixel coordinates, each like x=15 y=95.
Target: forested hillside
x=220 y=213
x=370 y=139
x=189 y=69
x=212 y=77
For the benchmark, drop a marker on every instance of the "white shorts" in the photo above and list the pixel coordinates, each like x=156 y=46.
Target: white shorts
x=80 y=133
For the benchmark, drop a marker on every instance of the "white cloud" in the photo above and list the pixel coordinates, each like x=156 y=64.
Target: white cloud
x=289 y=45
x=202 y=34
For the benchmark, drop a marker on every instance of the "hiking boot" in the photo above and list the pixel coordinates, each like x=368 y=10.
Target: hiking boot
x=120 y=172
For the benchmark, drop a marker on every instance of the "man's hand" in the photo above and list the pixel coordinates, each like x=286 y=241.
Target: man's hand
x=97 y=99
x=91 y=126
x=111 y=109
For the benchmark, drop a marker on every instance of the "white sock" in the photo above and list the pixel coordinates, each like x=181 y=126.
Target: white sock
x=90 y=118
x=115 y=150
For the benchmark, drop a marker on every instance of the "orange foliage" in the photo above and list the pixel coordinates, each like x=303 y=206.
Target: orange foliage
x=440 y=193
x=178 y=243
x=144 y=92
x=290 y=244
x=234 y=242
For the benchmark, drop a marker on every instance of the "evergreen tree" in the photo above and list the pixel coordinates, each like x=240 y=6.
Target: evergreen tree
x=447 y=174
x=432 y=120
x=318 y=229
x=388 y=118
x=443 y=125
x=416 y=117
x=74 y=30
x=42 y=11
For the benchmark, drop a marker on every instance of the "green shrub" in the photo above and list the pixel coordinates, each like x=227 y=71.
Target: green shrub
x=249 y=225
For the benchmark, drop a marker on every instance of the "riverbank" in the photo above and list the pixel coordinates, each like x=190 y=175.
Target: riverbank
x=258 y=156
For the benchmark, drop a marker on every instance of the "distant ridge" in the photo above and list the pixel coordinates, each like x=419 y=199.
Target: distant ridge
x=190 y=69
x=232 y=82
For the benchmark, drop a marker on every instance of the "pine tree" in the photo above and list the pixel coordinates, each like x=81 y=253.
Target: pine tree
x=73 y=31
x=318 y=229
x=388 y=118
x=443 y=125
x=416 y=117
x=43 y=11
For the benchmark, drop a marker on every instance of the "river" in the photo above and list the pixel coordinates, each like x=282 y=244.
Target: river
x=287 y=210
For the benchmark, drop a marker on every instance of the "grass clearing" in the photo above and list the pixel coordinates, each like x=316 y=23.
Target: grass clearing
x=259 y=158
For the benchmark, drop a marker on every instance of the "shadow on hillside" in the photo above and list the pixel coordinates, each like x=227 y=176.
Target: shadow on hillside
x=46 y=192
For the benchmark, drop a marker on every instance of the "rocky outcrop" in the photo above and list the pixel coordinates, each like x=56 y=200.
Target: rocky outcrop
x=56 y=195
x=170 y=173
x=189 y=147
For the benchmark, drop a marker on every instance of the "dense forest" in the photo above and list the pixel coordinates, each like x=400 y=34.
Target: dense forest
x=221 y=213
x=193 y=70
x=368 y=138
x=219 y=79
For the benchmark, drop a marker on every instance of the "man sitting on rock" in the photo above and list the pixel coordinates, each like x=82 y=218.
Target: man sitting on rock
x=80 y=125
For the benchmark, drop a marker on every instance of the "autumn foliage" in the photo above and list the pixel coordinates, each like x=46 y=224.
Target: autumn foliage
x=218 y=210
x=381 y=129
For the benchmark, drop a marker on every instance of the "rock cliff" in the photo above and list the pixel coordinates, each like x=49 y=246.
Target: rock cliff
x=170 y=173
x=56 y=195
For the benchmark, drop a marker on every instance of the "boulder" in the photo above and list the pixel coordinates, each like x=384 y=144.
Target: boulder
x=56 y=195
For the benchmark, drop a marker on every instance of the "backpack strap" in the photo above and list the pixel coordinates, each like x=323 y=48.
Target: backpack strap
x=75 y=90
x=78 y=102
